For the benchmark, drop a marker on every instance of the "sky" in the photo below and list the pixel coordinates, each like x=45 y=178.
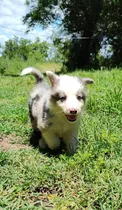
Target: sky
x=11 y=13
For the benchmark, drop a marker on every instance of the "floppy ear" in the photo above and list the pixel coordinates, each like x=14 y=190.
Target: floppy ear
x=86 y=81
x=52 y=77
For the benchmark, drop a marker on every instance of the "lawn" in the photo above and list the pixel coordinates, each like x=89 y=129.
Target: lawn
x=89 y=180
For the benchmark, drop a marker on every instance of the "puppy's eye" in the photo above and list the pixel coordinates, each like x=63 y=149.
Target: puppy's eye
x=59 y=97
x=81 y=97
x=62 y=98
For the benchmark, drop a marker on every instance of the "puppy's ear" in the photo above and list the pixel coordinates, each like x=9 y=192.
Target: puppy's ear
x=52 y=77
x=86 y=81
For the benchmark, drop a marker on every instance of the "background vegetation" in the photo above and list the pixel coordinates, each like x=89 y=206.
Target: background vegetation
x=18 y=53
x=90 y=24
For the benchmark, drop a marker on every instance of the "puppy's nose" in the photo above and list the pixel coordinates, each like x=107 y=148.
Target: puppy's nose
x=73 y=111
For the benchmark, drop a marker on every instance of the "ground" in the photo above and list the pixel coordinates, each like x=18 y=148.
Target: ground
x=88 y=180
x=7 y=144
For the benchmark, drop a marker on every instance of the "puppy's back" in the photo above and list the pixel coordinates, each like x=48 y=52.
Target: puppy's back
x=39 y=98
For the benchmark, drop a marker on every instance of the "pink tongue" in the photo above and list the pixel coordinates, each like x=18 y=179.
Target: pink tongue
x=71 y=117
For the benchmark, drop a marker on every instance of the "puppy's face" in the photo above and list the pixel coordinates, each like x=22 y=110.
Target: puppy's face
x=68 y=94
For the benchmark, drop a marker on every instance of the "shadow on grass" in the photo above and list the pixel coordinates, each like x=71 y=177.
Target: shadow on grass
x=35 y=136
x=34 y=142
x=11 y=75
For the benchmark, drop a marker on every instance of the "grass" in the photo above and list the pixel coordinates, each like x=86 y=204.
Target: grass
x=89 y=180
x=15 y=65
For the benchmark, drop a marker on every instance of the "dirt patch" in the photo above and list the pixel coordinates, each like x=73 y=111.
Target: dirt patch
x=6 y=143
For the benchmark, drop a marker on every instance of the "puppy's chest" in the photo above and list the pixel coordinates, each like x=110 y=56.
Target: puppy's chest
x=60 y=127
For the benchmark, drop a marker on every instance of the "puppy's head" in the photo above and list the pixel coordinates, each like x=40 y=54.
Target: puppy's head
x=68 y=94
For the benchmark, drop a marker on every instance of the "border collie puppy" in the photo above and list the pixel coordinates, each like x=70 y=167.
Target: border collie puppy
x=55 y=110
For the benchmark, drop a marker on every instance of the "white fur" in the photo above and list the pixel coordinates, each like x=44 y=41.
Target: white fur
x=27 y=71
x=70 y=86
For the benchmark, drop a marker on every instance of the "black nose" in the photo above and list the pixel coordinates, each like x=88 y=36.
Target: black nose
x=73 y=111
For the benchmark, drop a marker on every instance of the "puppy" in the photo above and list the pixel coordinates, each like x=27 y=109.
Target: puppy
x=55 y=110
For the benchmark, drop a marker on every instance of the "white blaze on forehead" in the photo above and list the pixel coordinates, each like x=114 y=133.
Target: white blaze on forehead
x=69 y=84
x=71 y=87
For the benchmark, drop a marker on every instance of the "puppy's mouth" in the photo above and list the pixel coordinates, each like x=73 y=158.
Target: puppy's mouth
x=71 y=118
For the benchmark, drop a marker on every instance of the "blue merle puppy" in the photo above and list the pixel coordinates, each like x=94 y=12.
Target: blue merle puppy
x=56 y=110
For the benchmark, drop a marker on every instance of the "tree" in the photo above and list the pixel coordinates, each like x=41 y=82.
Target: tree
x=112 y=27
x=80 y=20
x=16 y=47
x=89 y=22
x=39 y=50
x=24 y=48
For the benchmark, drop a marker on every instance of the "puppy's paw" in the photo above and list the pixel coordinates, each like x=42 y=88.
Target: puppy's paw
x=72 y=146
x=42 y=144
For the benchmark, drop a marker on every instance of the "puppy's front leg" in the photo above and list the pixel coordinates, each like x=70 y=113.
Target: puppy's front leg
x=51 y=139
x=70 y=139
x=42 y=143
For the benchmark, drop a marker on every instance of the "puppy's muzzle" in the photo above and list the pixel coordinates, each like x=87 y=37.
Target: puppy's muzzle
x=72 y=116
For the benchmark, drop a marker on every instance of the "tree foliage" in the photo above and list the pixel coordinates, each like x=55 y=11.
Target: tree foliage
x=18 y=53
x=89 y=23
x=24 y=48
x=112 y=28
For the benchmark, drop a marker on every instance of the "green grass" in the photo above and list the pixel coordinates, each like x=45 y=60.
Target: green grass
x=89 y=180
x=15 y=65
